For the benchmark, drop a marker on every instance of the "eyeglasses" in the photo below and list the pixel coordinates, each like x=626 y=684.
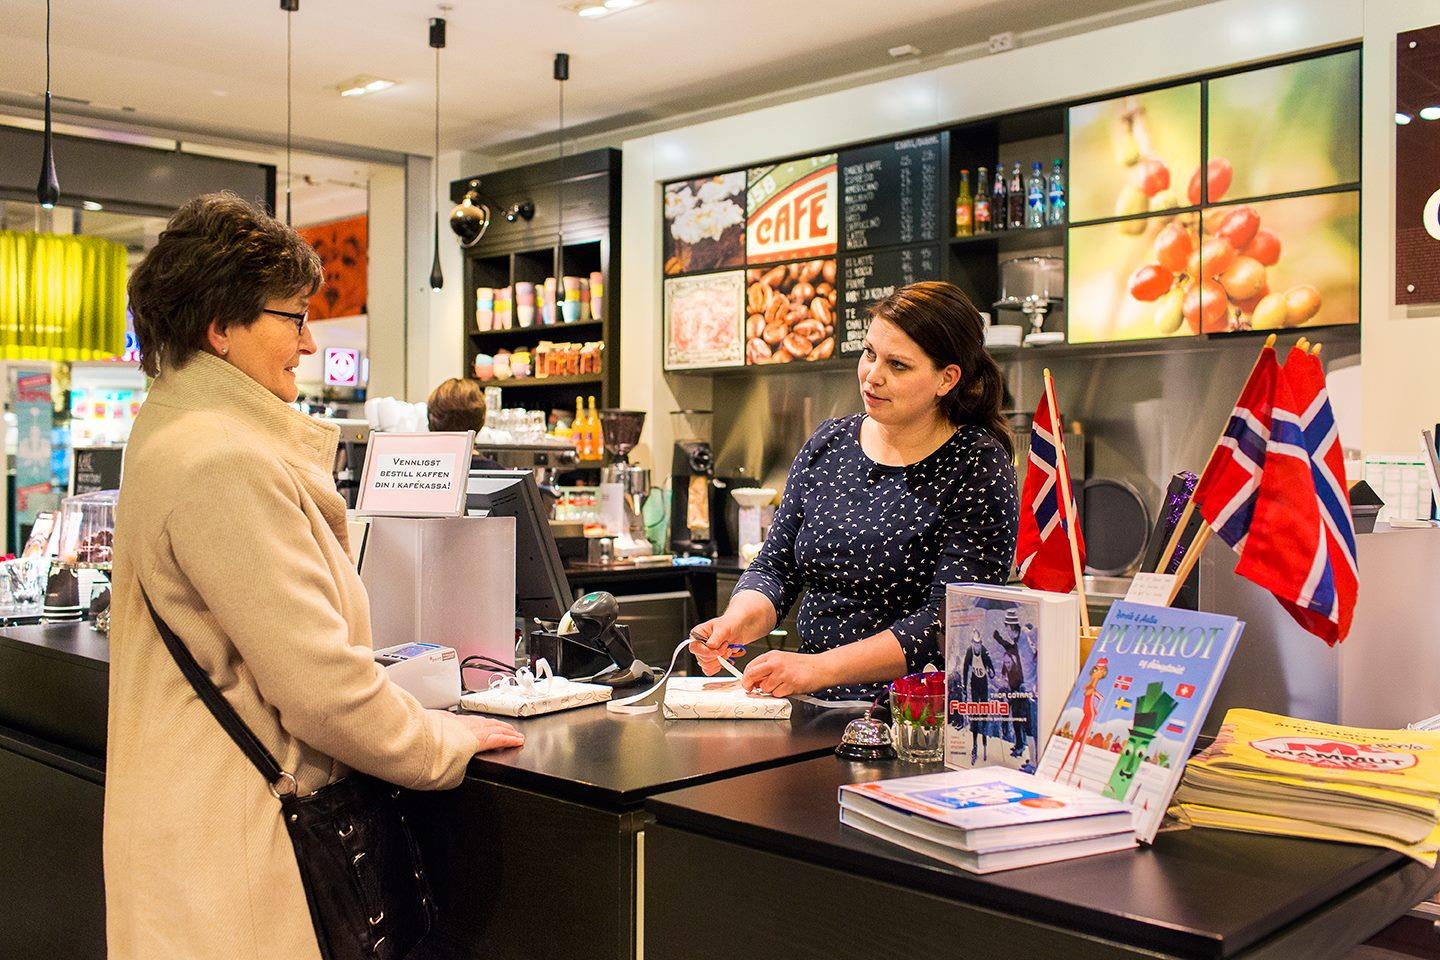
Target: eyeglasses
x=299 y=318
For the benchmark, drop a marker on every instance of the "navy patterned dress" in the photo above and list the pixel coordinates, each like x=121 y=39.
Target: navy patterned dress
x=872 y=547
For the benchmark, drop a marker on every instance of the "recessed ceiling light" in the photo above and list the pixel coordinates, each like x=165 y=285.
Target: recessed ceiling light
x=361 y=85
x=91 y=205
x=1431 y=112
x=905 y=50
x=1403 y=118
x=593 y=9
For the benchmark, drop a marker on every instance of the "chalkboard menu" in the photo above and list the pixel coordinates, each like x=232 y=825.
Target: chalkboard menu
x=95 y=469
x=890 y=193
x=866 y=278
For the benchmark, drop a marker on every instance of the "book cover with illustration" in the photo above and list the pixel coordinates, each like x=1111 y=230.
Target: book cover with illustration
x=1131 y=719
x=1010 y=657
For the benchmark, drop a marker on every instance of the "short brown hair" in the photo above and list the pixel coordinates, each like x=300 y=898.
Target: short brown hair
x=221 y=259
x=456 y=405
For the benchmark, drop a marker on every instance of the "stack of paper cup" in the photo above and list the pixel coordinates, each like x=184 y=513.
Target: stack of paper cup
x=525 y=304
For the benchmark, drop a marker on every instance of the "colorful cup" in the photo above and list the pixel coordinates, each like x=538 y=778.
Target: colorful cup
x=525 y=304
x=597 y=295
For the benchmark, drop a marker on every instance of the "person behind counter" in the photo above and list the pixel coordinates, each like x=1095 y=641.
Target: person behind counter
x=881 y=510
x=458 y=405
x=229 y=518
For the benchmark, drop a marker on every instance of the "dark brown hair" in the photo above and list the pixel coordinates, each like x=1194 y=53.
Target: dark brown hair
x=456 y=405
x=945 y=324
x=221 y=259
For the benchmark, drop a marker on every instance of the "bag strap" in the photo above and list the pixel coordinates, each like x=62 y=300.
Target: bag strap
x=219 y=707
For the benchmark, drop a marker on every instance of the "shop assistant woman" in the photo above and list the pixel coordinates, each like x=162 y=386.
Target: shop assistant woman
x=881 y=510
x=229 y=520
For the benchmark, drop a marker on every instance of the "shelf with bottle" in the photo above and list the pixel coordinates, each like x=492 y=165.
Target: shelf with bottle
x=1016 y=203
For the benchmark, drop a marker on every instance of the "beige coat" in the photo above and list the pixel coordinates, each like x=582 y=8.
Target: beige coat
x=229 y=516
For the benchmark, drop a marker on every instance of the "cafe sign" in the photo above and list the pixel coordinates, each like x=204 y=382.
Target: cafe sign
x=792 y=210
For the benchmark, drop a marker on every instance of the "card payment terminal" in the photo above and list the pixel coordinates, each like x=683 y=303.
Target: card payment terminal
x=430 y=672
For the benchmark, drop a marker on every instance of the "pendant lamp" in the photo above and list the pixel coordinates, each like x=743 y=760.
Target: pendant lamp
x=561 y=73
x=290 y=7
x=47 y=191
x=437 y=40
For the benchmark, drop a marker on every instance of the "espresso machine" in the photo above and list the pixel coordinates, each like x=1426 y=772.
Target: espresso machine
x=624 y=486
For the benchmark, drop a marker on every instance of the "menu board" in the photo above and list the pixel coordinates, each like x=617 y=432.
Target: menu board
x=95 y=469
x=868 y=278
x=890 y=193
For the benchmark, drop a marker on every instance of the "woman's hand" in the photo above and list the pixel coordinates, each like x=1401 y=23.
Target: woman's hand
x=722 y=637
x=491 y=734
x=783 y=674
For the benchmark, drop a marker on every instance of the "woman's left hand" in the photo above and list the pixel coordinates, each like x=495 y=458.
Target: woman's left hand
x=783 y=674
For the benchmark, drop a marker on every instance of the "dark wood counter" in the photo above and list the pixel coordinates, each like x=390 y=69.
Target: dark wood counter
x=1193 y=894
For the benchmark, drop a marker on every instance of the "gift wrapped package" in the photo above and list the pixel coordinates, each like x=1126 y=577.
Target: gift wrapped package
x=714 y=698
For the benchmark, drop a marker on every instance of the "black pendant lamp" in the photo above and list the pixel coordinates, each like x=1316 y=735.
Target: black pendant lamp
x=47 y=191
x=561 y=73
x=437 y=40
x=291 y=7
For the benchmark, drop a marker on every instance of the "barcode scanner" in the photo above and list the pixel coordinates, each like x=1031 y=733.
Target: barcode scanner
x=595 y=616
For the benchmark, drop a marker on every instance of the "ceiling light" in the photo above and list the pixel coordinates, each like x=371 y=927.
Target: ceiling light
x=905 y=50
x=91 y=205
x=1403 y=118
x=592 y=10
x=359 y=86
x=1431 y=112
x=621 y=4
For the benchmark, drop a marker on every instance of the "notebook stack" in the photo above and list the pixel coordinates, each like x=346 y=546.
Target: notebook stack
x=1274 y=774
x=988 y=818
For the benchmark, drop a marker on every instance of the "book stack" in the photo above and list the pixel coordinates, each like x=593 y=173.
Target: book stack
x=1267 y=773
x=988 y=819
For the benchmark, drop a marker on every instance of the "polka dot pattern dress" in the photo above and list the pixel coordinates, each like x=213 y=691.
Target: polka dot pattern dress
x=872 y=547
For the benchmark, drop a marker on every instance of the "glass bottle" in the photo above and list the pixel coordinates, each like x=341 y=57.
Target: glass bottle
x=1035 y=197
x=981 y=216
x=1055 y=205
x=964 y=223
x=1015 y=198
x=578 y=433
x=597 y=436
x=999 y=201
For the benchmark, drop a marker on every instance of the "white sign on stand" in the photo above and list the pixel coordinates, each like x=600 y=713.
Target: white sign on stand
x=415 y=475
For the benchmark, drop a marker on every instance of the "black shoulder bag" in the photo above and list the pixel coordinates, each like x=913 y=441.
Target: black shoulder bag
x=359 y=863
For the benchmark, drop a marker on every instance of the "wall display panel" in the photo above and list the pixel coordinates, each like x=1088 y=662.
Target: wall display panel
x=867 y=278
x=1417 y=166
x=1285 y=128
x=1126 y=280
x=705 y=224
x=792 y=210
x=890 y=193
x=791 y=312
x=705 y=321
x=1128 y=154
x=1282 y=263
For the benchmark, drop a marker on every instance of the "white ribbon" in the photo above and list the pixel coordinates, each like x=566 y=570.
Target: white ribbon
x=529 y=684
x=627 y=706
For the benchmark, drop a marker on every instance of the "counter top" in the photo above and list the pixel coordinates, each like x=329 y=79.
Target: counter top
x=605 y=759
x=594 y=571
x=76 y=643
x=1200 y=893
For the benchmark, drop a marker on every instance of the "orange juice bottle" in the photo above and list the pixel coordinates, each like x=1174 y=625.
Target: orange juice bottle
x=578 y=433
x=597 y=435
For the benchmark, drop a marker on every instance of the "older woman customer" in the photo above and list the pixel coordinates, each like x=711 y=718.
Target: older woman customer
x=230 y=522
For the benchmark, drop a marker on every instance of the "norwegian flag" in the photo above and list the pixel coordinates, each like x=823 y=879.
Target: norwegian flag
x=1332 y=606
x=1256 y=492
x=1042 y=552
x=1123 y=683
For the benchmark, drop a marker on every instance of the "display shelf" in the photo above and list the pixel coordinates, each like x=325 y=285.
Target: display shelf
x=525 y=332
x=1023 y=238
x=530 y=382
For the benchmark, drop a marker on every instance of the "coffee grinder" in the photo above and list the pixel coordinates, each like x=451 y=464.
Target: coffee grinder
x=696 y=510
x=624 y=486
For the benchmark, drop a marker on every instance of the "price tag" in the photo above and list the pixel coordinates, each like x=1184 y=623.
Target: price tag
x=1152 y=589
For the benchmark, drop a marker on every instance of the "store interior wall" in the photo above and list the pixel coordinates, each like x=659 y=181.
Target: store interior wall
x=1171 y=45
x=386 y=330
